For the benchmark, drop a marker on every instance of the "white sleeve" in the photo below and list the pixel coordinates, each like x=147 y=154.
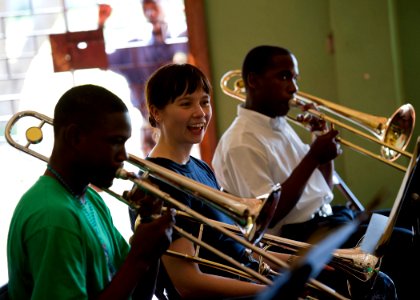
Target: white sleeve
x=244 y=172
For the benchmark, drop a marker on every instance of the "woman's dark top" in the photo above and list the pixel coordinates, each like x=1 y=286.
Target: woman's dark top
x=199 y=171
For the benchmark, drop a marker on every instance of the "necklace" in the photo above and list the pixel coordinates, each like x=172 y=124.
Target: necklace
x=64 y=184
x=90 y=215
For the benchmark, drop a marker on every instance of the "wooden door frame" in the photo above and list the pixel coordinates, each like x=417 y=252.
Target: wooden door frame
x=199 y=56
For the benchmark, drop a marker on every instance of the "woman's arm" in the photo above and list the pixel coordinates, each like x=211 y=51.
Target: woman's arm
x=190 y=282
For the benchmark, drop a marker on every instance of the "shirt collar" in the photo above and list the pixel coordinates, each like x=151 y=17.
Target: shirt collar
x=277 y=123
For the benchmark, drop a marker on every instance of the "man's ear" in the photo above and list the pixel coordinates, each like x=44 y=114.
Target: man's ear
x=252 y=79
x=72 y=134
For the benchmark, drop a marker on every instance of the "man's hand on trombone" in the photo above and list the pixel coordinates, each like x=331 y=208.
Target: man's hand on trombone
x=157 y=234
x=152 y=230
x=325 y=147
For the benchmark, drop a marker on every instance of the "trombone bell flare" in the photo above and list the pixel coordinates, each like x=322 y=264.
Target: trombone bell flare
x=398 y=131
x=266 y=213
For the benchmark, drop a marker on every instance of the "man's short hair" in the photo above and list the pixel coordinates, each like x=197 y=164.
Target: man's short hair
x=85 y=105
x=259 y=59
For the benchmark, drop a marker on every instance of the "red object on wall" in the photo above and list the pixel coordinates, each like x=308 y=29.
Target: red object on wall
x=78 y=50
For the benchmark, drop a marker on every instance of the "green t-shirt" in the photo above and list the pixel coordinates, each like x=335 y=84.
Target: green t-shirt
x=59 y=248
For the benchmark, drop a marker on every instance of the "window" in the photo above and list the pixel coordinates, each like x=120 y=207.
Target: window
x=28 y=81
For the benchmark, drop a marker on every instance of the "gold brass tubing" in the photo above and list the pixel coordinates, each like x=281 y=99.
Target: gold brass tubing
x=380 y=127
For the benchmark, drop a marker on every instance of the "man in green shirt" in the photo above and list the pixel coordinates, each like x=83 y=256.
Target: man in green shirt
x=62 y=243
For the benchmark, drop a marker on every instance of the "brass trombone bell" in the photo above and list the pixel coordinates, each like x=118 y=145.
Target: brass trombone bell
x=393 y=134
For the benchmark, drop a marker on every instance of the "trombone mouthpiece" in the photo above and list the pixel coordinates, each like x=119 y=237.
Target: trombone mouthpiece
x=121 y=174
x=295 y=102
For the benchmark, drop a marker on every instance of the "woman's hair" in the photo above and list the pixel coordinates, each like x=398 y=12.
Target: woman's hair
x=171 y=81
x=85 y=105
x=260 y=58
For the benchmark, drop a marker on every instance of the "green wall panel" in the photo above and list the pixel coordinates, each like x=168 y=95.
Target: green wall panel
x=372 y=66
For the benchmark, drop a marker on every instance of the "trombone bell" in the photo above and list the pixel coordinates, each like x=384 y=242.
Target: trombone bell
x=398 y=132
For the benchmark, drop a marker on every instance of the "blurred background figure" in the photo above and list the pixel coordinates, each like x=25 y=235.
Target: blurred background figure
x=155 y=44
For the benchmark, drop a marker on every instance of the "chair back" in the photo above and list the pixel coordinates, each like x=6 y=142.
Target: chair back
x=4 y=292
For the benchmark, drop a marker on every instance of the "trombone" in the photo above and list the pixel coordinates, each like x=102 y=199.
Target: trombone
x=393 y=134
x=252 y=220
